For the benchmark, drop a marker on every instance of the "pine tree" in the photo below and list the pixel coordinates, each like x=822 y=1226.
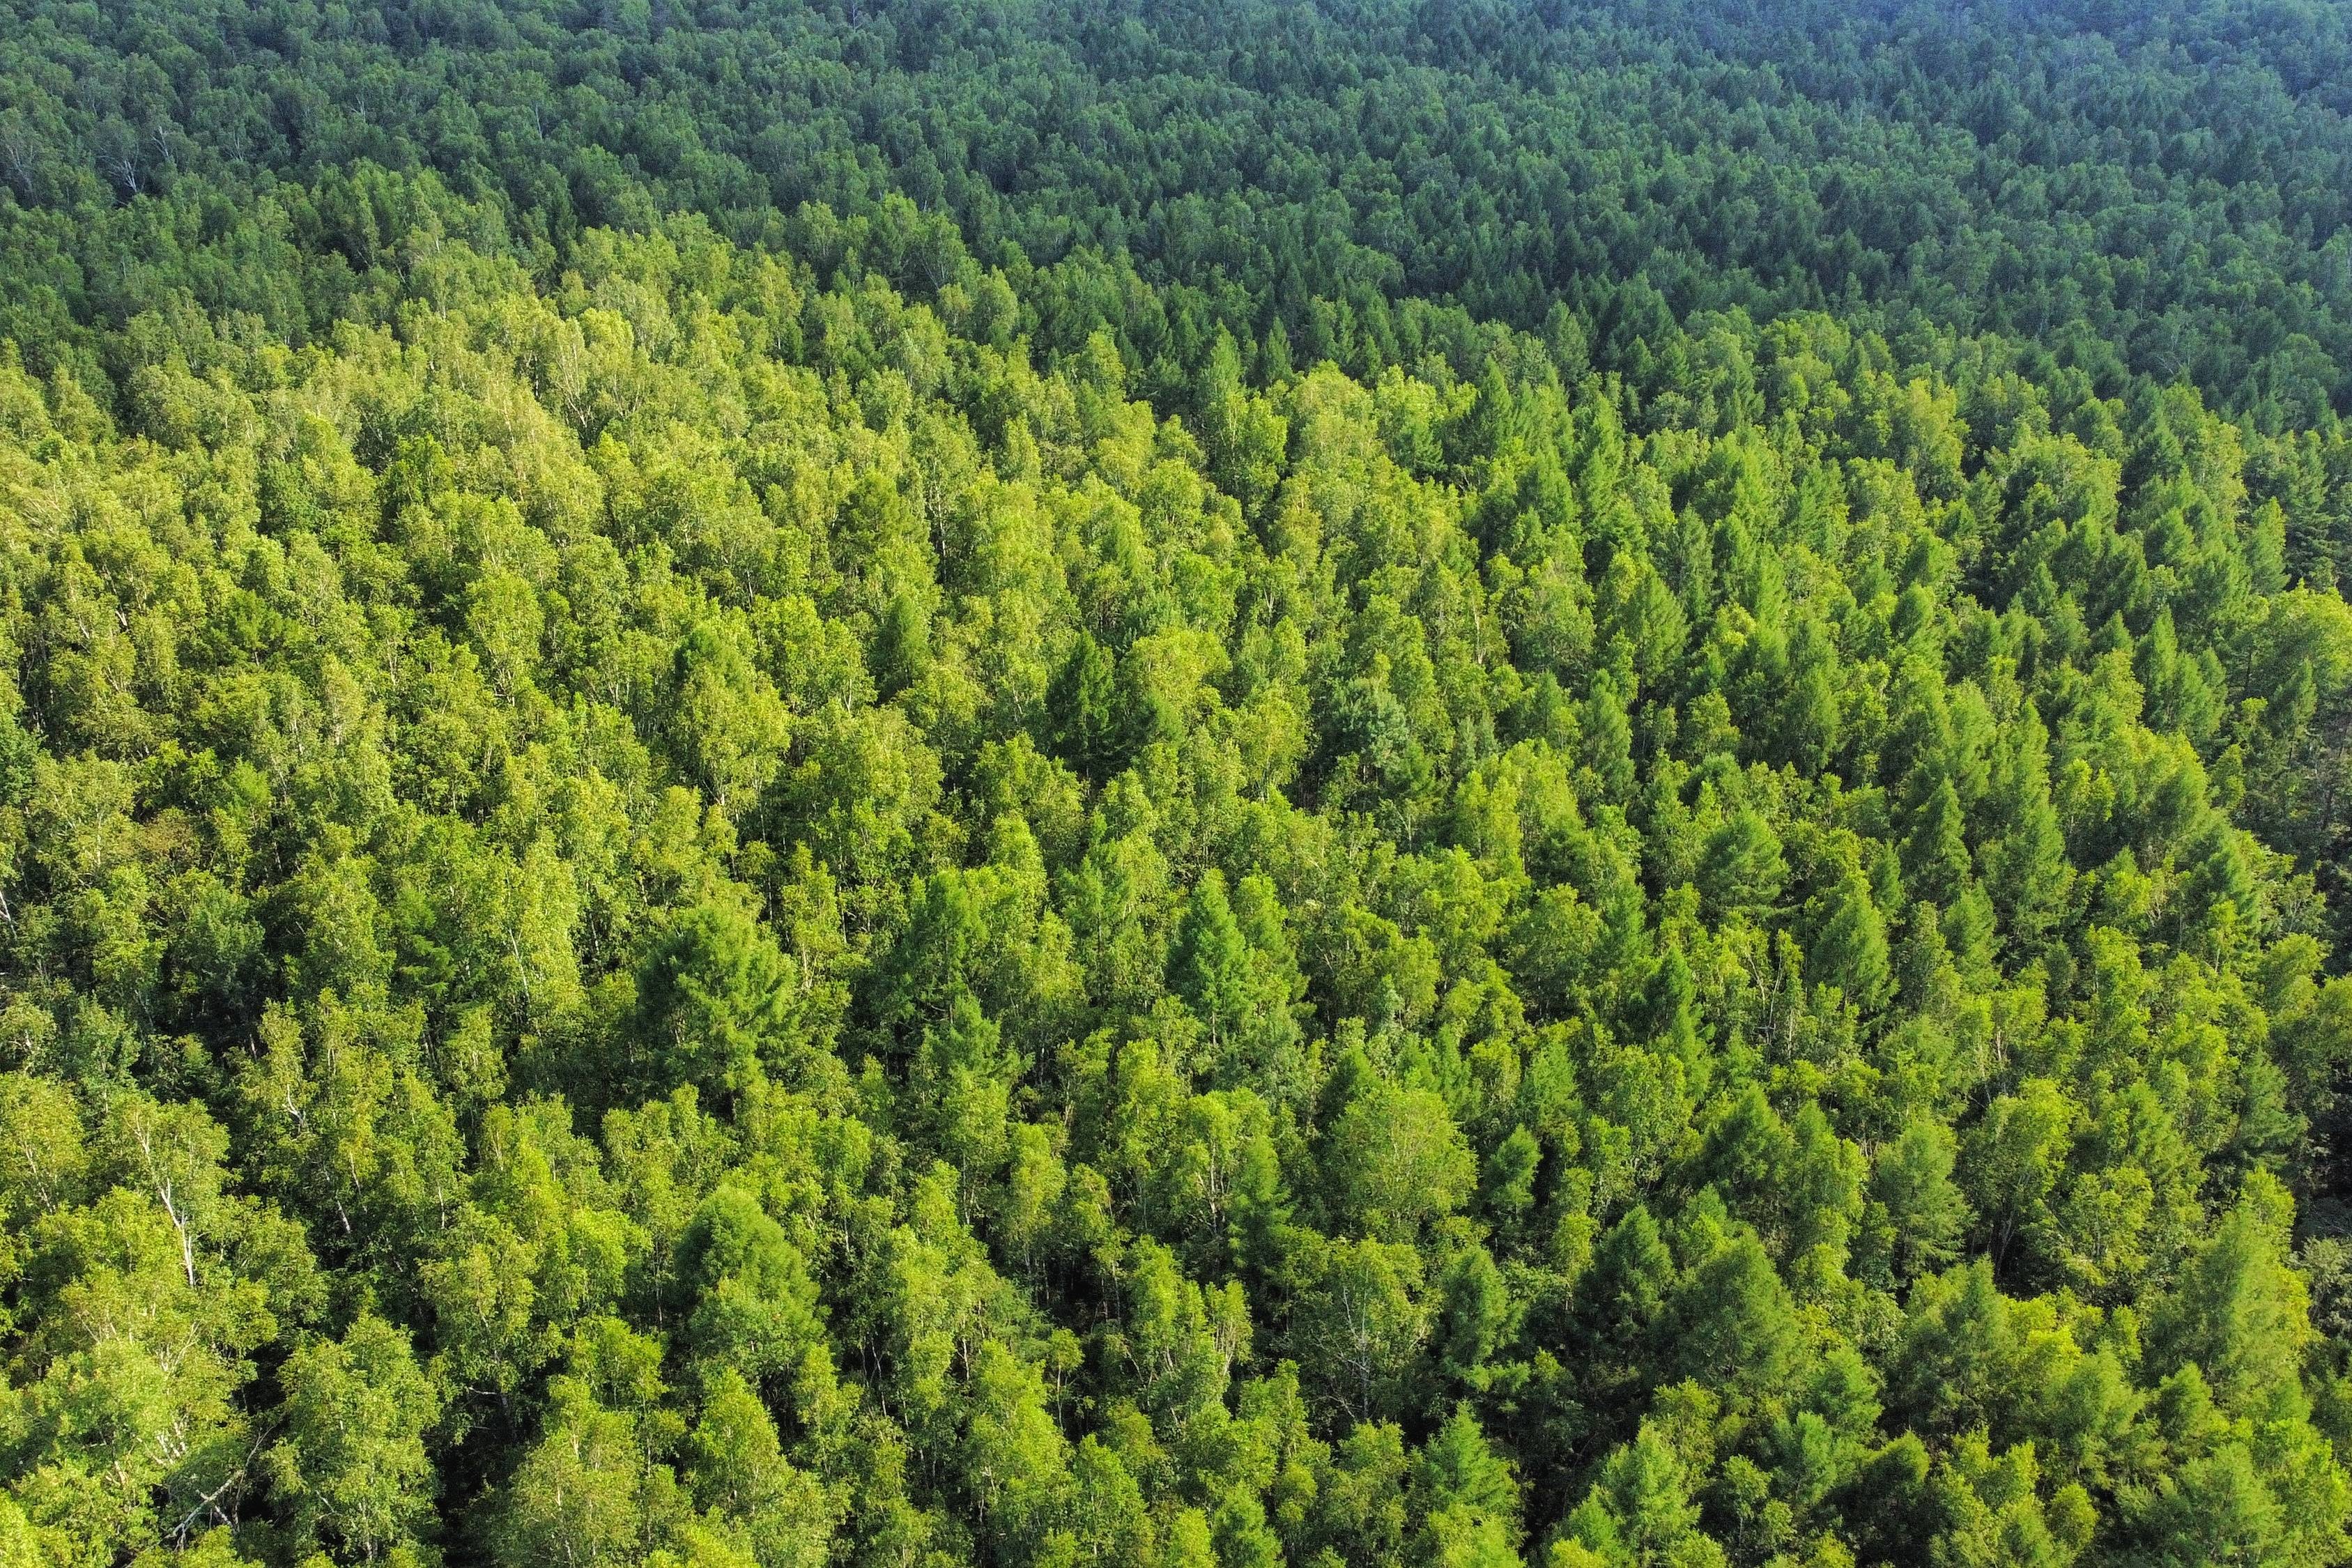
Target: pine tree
x=1848 y=946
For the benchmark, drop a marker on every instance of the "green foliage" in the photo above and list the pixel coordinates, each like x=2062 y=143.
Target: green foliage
x=1215 y=848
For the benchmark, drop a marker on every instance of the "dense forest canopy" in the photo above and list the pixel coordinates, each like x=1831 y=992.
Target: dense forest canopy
x=2162 y=194
x=1182 y=786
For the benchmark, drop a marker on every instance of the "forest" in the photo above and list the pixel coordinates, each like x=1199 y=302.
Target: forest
x=1467 y=785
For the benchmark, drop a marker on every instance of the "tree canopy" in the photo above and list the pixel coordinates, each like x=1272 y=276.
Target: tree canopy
x=901 y=785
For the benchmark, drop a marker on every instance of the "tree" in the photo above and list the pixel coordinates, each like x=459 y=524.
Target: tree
x=756 y=1312
x=712 y=1006
x=727 y=723
x=1209 y=966
x=1638 y=1512
x=1467 y=1499
x=1848 y=947
x=736 y=1470
x=1936 y=861
x=1084 y=708
x=1740 y=866
x=585 y=1495
x=352 y=1460
x=1918 y=1209
x=1394 y=1161
x=2014 y=1157
x=1360 y=1324
x=1732 y=1321
x=2239 y=1312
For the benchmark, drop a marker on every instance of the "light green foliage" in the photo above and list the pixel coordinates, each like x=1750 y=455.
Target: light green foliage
x=353 y=1463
